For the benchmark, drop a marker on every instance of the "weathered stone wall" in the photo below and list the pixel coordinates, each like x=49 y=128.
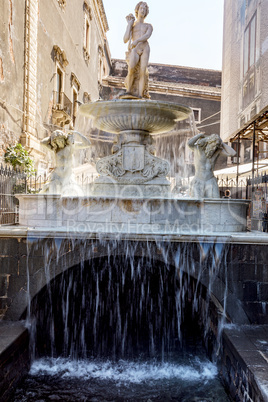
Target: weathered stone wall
x=11 y=71
x=14 y=358
x=244 y=269
x=29 y=62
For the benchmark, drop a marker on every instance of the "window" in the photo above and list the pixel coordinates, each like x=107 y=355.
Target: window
x=87 y=36
x=62 y=106
x=237 y=149
x=87 y=31
x=101 y=64
x=75 y=98
x=60 y=64
x=59 y=89
x=250 y=44
x=197 y=115
x=75 y=89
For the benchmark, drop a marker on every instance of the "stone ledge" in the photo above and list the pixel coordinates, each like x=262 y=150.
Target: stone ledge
x=22 y=232
x=245 y=362
x=14 y=357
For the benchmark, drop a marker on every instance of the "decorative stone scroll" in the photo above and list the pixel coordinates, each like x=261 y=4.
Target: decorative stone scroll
x=60 y=56
x=87 y=10
x=86 y=97
x=75 y=82
x=62 y=3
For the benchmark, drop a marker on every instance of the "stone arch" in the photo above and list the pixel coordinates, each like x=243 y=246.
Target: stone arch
x=49 y=257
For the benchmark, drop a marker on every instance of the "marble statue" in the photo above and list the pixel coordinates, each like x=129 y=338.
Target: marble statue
x=137 y=34
x=63 y=145
x=207 y=149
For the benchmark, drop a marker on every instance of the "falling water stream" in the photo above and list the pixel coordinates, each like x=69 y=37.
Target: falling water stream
x=125 y=326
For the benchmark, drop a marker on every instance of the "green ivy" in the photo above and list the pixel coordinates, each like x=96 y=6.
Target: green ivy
x=19 y=157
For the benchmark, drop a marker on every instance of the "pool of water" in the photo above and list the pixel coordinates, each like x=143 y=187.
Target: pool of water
x=189 y=379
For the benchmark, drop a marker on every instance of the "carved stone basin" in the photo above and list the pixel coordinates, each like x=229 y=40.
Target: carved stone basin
x=117 y=116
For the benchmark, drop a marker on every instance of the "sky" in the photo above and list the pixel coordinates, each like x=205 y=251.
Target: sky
x=186 y=32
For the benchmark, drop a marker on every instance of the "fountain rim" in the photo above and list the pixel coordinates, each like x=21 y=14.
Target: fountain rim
x=116 y=108
x=136 y=103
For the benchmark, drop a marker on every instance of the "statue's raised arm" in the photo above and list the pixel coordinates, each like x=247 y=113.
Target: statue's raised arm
x=78 y=140
x=130 y=20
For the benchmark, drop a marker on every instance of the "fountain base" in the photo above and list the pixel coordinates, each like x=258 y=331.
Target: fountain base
x=123 y=215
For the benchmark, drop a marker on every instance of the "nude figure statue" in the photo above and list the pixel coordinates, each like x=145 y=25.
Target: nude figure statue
x=207 y=149
x=137 y=34
x=62 y=180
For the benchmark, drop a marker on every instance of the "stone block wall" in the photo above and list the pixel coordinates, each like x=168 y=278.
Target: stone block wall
x=244 y=364
x=248 y=279
x=14 y=358
x=245 y=270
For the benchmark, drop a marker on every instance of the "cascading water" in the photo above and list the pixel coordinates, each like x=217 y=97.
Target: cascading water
x=173 y=147
x=126 y=325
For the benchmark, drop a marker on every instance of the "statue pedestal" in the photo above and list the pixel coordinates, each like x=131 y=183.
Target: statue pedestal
x=105 y=186
x=133 y=169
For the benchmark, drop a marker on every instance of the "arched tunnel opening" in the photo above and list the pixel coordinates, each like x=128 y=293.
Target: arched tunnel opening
x=122 y=328
x=120 y=307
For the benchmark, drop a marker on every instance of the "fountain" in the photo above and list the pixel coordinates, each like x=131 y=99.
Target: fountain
x=132 y=193
x=119 y=298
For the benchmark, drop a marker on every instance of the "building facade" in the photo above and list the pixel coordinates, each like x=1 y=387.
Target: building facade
x=245 y=68
x=53 y=55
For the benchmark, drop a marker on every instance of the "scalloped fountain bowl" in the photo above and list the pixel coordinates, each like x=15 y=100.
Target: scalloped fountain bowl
x=116 y=116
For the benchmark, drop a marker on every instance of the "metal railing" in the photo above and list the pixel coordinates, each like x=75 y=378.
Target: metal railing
x=231 y=188
x=62 y=102
x=15 y=182
x=244 y=187
x=11 y=182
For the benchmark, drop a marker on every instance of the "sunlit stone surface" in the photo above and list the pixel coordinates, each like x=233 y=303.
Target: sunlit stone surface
x=126 y=215
x=152 y=117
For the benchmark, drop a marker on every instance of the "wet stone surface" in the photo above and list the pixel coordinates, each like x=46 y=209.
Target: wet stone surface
x=14 y=357
x=245 y=362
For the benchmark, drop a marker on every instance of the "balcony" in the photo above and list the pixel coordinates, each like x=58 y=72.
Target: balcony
x=62 y=109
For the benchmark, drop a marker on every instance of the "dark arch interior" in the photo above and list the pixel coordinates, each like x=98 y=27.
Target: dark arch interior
x=117 y=307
